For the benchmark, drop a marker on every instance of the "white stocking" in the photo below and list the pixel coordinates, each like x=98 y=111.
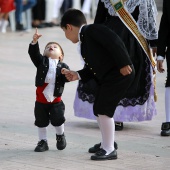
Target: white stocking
x=59 y=129
x=98 y=121
x=167 y=103
x=86 y=6
x=56 y=8
x=42 y=133
x=107 y=127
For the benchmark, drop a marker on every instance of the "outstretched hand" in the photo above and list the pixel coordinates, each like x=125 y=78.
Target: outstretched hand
x=70 y=75
x=36 y=36
x=126 y=70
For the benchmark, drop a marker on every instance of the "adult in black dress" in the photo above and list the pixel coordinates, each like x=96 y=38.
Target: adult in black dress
x=138 y=104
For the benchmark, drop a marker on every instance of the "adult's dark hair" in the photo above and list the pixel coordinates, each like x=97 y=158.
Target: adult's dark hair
x=74 y=17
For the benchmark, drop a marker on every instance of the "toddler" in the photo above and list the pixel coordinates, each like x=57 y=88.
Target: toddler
x=49 y=107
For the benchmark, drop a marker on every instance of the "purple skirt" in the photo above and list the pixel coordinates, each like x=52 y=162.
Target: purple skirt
x=130 y=113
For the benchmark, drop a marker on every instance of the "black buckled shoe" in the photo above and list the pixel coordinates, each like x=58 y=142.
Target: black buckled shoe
x=118 y=126
x=165 y=129
x=61 y=142
x=96 y=147
x=41 y=146
x=101 y=155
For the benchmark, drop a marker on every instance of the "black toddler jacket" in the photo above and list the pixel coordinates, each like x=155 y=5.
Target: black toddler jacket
x=103 y=52
x=42 y=64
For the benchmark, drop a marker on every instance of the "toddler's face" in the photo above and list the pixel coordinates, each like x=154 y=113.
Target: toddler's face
x=53 y=51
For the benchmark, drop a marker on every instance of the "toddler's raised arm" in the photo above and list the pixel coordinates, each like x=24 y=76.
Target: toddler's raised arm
x=36 y=36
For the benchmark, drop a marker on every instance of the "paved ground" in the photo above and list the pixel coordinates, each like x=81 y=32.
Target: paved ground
x=140 y=145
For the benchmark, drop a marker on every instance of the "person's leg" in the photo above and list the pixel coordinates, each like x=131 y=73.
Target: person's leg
x=38 y=14
x=4 y=23
x=70 y=5
x=56 y=10
x=82 y=1
x=57 y=120
x=42 y=133
x=107 y=98
x=18 y=15
x=1 y=20
x=41 y=112
x=166 y=125
x=60 y=137
x=42 y=143
x=18 y=11
x=167 y=103
x=66 y=5
x=48 y=8
x=35 y=14
x=107 y=128
x=86 y=7
x=59 y=129
x=29 y=4
x=98 y=146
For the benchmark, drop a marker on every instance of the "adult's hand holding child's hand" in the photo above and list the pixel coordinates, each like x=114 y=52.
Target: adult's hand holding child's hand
x=70 y=75
x=36 y=36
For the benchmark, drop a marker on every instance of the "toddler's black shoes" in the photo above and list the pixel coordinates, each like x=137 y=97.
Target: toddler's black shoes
x=61 y=142
x=41 y=146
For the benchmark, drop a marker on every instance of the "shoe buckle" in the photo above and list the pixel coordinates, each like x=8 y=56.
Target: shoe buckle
x=118 y=124
x=101 y=152
x=59 y=139
x=40 y=143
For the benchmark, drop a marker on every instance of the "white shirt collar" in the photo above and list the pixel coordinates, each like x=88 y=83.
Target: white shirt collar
x=80 y=32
